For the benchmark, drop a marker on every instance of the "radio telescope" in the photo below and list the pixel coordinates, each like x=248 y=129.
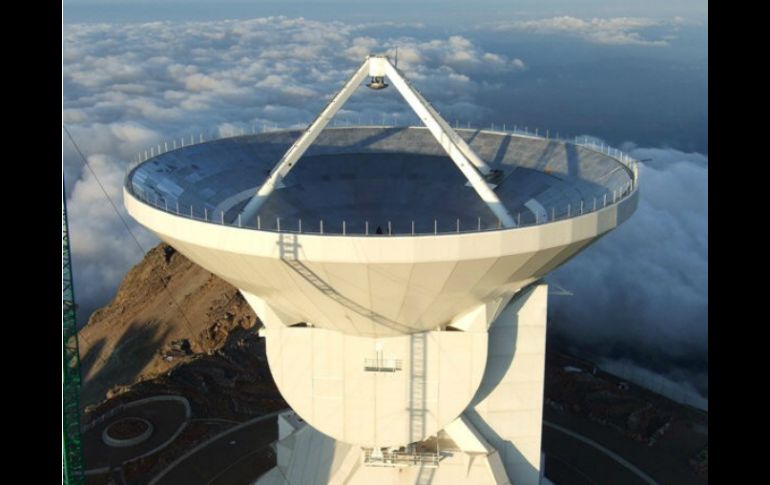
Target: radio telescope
x=398 y=273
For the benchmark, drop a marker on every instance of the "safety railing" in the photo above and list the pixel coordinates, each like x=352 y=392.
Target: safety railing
x=400 y=459
x=429 y=226
x=382 y=365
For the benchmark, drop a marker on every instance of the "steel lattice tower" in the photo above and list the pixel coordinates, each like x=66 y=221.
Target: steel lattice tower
x=72 y=455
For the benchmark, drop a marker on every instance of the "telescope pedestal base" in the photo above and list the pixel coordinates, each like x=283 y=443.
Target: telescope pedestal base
x=496 y=440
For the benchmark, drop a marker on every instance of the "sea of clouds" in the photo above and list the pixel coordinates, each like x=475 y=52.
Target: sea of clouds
x=129 y=86
x=641 y=292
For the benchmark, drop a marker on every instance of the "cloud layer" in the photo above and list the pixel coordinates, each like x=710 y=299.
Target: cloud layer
x=641 y=293
x=611 y=31
x=129 y=86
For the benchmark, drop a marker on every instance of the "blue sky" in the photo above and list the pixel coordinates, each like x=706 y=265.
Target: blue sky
x=427 y=11
x=633 y=74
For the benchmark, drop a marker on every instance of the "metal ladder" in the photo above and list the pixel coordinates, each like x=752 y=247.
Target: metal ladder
x=417 y=386
x=289 y=253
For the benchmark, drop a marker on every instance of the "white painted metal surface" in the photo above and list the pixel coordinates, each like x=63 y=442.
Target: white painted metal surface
x=496 y=440
x=323 y=377
x=508 y=407
x=466 y=160
x=308 y=457
x=383 y=286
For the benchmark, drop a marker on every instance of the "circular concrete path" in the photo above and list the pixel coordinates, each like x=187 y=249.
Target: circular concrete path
x=168 y=415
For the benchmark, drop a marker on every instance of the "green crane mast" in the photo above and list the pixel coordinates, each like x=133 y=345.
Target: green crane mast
x=72 y=455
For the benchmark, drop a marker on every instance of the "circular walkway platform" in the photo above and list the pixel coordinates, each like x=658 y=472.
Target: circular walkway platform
x=167 y=416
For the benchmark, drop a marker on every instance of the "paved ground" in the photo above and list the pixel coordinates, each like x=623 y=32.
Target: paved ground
x=570 y=461
x=659 y=463
x=240 y=455
x=236 y=457
x=166 y=418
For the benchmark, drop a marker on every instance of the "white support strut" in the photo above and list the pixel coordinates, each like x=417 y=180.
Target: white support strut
x=300 y=146
x=434 y=115
x=454 y=146
x=461 y=154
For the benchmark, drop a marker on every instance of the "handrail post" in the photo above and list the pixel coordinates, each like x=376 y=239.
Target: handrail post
x=259 y=222
x=321 y=224
x=390 y=229
x=278 y=224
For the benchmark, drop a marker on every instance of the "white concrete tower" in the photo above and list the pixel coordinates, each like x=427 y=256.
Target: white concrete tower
x=397 y=272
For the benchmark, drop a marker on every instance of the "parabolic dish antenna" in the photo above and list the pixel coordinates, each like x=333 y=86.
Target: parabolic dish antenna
x=396 y=270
